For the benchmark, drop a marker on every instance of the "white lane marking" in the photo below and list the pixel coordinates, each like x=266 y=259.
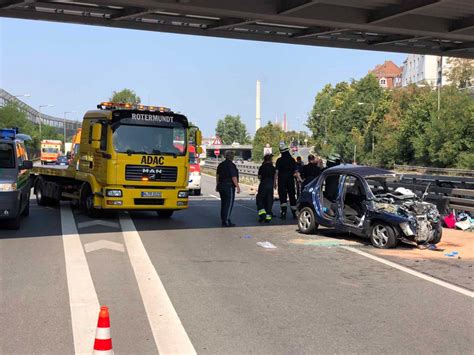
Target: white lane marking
x=434 y=280
x=168 y=331
x=218 y=198
x=98 y=223
x=82 y=295
x=103 y=244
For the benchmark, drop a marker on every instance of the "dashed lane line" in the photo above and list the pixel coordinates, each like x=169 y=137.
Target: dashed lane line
x=431 y=279
x=168 y=331
x=83 y=299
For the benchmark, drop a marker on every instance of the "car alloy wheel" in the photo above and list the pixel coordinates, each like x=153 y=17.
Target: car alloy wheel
x=306 y=220
x=380 y=235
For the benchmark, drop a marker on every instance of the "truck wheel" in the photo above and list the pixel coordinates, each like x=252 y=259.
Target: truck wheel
x=87 y=202
x=383 y=236
x=41 y=200
x=197 y=192
x=306 y=221
x=165 y=213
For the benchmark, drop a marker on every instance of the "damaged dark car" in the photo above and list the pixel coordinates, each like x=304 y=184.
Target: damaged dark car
x=358 y=200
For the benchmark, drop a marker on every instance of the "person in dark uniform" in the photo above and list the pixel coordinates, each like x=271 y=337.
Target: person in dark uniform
x=286 y=170
x=309 y=171
x=266 y=175
x=227 y=182
x=299 y=166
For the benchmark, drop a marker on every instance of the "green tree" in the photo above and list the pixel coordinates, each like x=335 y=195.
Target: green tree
x=125 y=96
x=231 y=129
x=269 y=134
x=11 y=115
x=460 y=72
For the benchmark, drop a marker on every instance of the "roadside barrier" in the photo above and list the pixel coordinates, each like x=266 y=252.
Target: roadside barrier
x=103 y=341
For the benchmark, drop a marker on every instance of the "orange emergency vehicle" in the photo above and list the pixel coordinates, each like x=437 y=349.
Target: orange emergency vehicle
x=50 y=150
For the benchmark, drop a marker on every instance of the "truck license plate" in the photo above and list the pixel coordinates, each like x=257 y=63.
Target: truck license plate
x=151 y=194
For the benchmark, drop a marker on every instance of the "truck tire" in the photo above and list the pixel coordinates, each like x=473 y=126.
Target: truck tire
x=41 y=200
x=87 y=202
x=165 y=214
x=383 y=236
x=306 y=221
x=197 y=192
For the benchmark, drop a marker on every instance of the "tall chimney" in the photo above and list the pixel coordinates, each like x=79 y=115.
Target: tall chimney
x=257 y=107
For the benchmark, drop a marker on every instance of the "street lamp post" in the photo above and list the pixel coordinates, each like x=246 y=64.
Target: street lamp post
x=64 y=124
x=22 y=95
x=39 y=116
x=372 y=131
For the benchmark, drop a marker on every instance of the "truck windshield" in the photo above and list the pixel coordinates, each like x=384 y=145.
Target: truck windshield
x=149 y=140
x=7 y=156
x=50 y=150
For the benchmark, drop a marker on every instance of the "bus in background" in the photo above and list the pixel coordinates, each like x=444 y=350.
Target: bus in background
x=194 y=172
x=50 y=151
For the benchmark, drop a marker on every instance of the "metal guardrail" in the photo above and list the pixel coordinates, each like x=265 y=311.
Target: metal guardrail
x=435 y=171
x=444 y=191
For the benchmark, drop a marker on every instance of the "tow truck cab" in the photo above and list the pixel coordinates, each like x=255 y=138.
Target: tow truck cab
x=130 y=157
x=14 y=178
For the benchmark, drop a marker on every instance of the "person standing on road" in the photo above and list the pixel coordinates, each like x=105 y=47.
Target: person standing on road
x=227 y=182
x=309 y=172
x=299 y=166
x=266 y=175
x=286 y=170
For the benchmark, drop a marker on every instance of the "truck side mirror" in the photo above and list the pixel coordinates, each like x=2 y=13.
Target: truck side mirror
x=27 y=164
x=198 y=137
x=96 y=134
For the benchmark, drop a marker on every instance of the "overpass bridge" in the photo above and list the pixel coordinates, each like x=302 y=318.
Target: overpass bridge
x=437 y=27
x=40 y=118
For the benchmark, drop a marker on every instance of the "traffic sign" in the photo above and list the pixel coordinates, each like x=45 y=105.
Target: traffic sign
x=217 y=152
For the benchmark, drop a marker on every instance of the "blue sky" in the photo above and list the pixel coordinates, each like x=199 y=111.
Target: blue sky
x=74 y=67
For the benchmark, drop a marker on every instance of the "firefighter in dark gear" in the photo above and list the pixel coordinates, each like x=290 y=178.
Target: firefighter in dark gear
x=266 y=175
x=286 y=170
x=309 y=172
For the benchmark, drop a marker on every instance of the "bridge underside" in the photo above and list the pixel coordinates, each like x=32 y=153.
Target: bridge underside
x=438 y=27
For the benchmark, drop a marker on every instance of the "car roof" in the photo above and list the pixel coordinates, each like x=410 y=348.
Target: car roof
x=360 y=170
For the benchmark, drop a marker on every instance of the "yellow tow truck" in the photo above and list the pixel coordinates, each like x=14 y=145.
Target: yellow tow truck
x=130 y=157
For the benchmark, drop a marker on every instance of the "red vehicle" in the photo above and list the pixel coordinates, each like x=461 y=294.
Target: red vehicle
x=194 y=172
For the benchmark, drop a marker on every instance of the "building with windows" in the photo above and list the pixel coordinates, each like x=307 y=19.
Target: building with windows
x=388 y=74
x=425 y=70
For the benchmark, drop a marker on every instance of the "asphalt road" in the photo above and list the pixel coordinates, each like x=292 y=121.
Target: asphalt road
x=222 y=292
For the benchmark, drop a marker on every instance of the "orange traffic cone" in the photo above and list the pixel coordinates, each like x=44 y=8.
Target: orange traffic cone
x=103 y=341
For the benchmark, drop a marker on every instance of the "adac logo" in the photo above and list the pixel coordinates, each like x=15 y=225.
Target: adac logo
x=150 y=159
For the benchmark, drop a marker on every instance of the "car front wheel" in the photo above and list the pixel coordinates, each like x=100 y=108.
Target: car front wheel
x=383 y=236
x=306 y=221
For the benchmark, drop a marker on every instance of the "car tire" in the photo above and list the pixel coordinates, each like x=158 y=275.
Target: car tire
x=26 y=210
x=437 y=234
x=165 y=214
x=307 y=221
x=383 y=236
